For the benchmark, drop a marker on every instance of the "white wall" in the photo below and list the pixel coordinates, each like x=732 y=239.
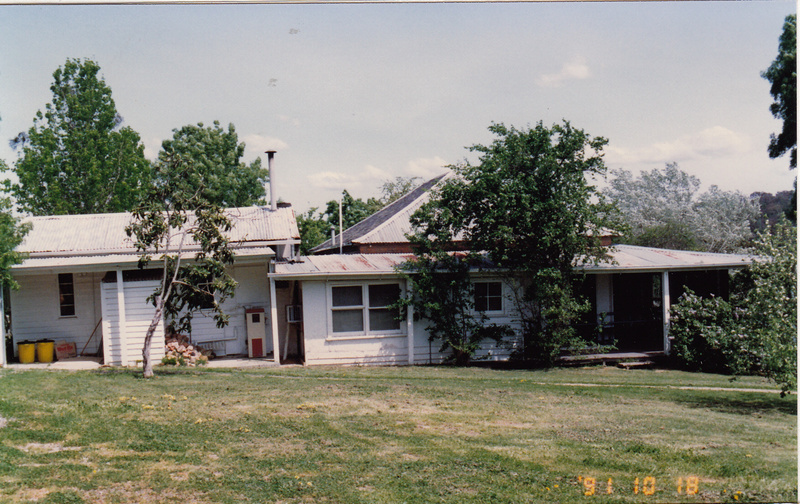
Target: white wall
x=320 y=348
x=35 y=312
x=252 y=292
x=124 y=347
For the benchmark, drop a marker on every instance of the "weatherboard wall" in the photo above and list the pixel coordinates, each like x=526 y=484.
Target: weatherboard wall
x=35 y=312
x=323 y=347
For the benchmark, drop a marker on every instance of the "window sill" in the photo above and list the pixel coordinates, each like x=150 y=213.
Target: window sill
x=364 y=337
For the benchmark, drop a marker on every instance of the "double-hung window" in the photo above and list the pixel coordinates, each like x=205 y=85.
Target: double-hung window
x=365 y=309
x=488 y=296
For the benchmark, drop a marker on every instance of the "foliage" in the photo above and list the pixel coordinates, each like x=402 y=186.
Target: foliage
x=443 y=295
x=662 y=208
x=75 y=158
x=529 y=206
x=315 y=226
x=756 y=332
x=392 y=190
x=313 y=229
x=12 y=232
x=699 y=328
x=215 y=155
x=772 y=207
x=782 y=74
x=175 y=219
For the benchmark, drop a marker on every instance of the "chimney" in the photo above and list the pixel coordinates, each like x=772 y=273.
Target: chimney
x=273 y=205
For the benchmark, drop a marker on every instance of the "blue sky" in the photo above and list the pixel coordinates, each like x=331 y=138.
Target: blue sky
x=352 y=95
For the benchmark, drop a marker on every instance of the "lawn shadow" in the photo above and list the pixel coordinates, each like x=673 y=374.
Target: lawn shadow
x=741 y=403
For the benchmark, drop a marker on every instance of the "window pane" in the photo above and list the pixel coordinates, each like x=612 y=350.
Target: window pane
x=66 y=293
x=347 y=296
x=383 y=319
x=488 y=296
x=383 y=294
x=348 y=321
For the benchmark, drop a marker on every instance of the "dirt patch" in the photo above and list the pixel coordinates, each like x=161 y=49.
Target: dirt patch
x=133 y=493
x=42 y=448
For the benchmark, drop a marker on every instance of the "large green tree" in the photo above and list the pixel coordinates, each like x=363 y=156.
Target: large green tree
x=782 y=75
x=530 y=207
x=76 y=159
x=172 y=221
x=215 y=155
x=664 y=208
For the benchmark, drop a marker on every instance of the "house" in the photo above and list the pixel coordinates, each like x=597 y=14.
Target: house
x=345 y=297
x=326 y=308
x=80 y=283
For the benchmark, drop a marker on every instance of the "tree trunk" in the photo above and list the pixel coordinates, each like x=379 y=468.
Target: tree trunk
x=147 y=363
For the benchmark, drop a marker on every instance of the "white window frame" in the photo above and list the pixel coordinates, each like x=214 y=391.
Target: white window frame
x=367 y=333
x=502 y=309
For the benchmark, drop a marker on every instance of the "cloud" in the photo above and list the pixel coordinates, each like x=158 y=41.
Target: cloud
x=427 y=168
x=256 y=145
x=151 y=148
x=715 y=142
x=290 y=120
x=574 y=70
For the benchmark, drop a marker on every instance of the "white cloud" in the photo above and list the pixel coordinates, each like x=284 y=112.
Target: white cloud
x=290 y=120
x=151 y=148
x=716 y=142
x=574 y=70
x=256 y=145
x=427 y=168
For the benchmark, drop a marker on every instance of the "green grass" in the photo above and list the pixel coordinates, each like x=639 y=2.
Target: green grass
x=423 y=434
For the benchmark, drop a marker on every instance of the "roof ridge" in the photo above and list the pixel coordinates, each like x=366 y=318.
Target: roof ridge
x=396 y=215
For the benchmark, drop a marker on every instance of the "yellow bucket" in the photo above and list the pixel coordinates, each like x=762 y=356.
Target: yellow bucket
x=44 y=350
x=27 y=352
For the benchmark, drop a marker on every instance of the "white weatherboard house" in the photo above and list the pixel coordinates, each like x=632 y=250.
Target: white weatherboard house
x=80 y=283
x=326 y=308
x=345 y=296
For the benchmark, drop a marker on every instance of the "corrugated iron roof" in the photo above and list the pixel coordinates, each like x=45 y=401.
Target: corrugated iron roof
x=91 y=262
x=389 y=224
x=105 y=233
x=335 y=264
x=624 y=258
x=80 y=240
x=635 y=258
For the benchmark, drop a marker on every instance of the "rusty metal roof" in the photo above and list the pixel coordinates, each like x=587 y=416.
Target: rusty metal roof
x=336 y=264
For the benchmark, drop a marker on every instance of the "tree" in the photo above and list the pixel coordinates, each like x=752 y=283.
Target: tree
x=782 y=75
x=75 y=158
x=661 y=208
x=392 y=190
x=313 y=228
x=172 y=220
x=756 y=331
x=215 y=155
x=530 y=208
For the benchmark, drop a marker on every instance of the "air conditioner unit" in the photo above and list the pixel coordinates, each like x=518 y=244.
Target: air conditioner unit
x=294 y=313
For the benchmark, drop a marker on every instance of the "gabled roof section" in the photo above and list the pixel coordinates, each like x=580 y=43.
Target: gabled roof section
x=101 y=238
x=388 y=225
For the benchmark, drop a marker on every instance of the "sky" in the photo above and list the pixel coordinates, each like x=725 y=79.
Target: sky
x=353 y=95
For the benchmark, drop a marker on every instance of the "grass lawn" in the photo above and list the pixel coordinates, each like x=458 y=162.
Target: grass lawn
x=392 y=435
